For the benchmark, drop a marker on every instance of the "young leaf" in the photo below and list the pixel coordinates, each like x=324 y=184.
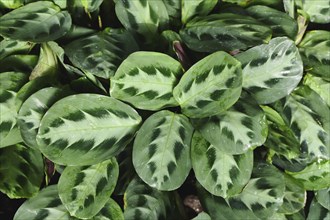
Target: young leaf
x=314 y=50
x=260 y=198
x=315 y=176
x=100 y=54
x=224 y=31
x=91 y=6
x=89 y=126
x=21 y=171
x=146 y=80
x=85 y=190
x=220 y=173
x=271 y=71
x=237 y=130
x=196 y=8
x=280 y=23
x=36 y=22
x=209 y=87
x=33 y=109
x=323 y=197
x=161 y=151
x=317 y=211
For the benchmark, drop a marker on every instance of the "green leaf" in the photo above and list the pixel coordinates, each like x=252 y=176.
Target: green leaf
x=88 y=126
x=313 y=131
x=21 y=171
x=12 y=4
x=36 y=22
x=317 y=211
x=196 y=8
x=9 y=47
x=143 y=202
x=202 y=216
x=85 y=190
x=91 y=5
x=224 y=31
x=244 y=3
x=220 y=173
x=260 y=198
x=209 y=87
x=100 y=54
x=161 y=151
x=145 y=17
x=111 y=211
x=314 y=50
x=237 y=130
x=319 y=85
x=271 y=71
x=294 y=196
x=18 y=63
x=319 y=12
x=33 y=109
x=290 y=164
x=323 y=197
x=45 y=205
x=173 y=8
x=280 y=23
x=315 y=176
x=146 y=80
x=12 y=81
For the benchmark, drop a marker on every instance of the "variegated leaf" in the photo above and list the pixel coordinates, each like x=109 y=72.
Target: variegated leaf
x=85 y=190
x=35 y=22
x=295 y=164
x=12 y=81
x=33 y=109
x=294 y=196
x=12 y=4
x=260 y=198
x=280 y=23
x=224 y=31
x=18 y=63
x=313 y=131
x=244 y=3
x=315 y=52
x=100 y=54
x=220 y=173
x=21 y=171
x=146 y=80
x=319 y=85
x=44 y=206
x=142 y=202
x=146 y=17
x=161 y=151
x=318 y=11
x=196 y=8
x=209 y=87
x=9 y=47
x=86 y=129
x=271 y=71
x=173 y=8
x=323 y=197
x=111 y=211
x=317 y=211
x=315 y=176
x=237 y=130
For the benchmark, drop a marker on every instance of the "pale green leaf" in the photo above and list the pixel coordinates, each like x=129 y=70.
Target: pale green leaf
x=196 y=8
x=224 y=31
x=209 y=87
x=220 y=173
x=319 y=85
x=111 y=211
x=86 y=129
x=37 y=22
x=318 y=10
x=91 y=5
x=11 y=4
x=146 y=80
x=161 y=151
x=21 y=171
x=271 y=71
x=323 y=197
x=237 y=130
x=85 y=190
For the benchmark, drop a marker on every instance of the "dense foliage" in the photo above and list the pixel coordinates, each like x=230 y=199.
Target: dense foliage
x=165 y=109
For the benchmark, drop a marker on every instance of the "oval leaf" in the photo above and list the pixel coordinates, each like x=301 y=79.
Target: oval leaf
x=100 y=54
x=37 y=22
x=111 y=211
x=194 y=8
x=219 y=173
x=323 y=197
x=237 y=130
x=21 y=171
x=85 y=190
x=209 y=87
x=225 y=31
x=146 y=80
x=271 y=71
x=86 y=129
x=33 y=109
x=161 y=148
